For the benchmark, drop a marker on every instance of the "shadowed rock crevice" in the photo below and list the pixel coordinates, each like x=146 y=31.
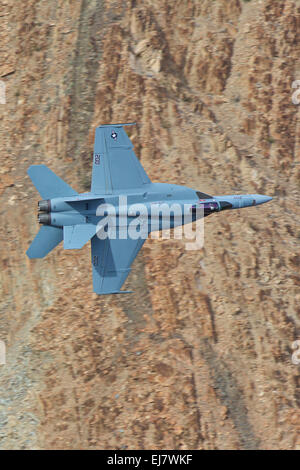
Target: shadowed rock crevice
x=230 y=395
x=83 y=82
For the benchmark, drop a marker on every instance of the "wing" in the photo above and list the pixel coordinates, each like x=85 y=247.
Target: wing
x=111 y=261
x=115 y=165
x=76 y=236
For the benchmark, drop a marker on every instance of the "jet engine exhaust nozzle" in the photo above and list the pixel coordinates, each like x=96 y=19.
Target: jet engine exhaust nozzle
x=44 y=219
x=44 y=206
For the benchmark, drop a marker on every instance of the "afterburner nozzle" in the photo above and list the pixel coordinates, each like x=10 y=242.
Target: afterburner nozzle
x=44 y=206
x=44 y=219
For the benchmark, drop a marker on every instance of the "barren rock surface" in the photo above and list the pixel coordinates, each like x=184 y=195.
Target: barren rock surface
x=200 y=355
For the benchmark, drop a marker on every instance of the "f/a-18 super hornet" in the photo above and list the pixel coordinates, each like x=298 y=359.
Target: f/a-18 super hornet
x=120 y=189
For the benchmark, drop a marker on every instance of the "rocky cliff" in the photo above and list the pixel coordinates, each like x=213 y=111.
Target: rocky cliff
x=199 y=356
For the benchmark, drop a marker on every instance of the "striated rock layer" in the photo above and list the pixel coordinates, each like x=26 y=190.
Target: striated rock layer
x=200 y=355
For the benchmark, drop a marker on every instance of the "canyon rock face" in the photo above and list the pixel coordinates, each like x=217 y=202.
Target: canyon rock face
x=199 y=356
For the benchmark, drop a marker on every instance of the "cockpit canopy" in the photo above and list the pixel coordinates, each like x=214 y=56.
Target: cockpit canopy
x=224 y=205
x=207 y=207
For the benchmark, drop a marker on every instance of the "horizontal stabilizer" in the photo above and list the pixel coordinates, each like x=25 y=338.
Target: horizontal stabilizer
x=48 y=184
x=47 y=238
x=83 y=198
x=76 y=236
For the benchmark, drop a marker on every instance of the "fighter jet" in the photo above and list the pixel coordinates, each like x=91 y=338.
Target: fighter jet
x=120 y=190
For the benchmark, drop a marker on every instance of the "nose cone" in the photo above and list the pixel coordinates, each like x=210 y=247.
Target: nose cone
x=261 y=199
